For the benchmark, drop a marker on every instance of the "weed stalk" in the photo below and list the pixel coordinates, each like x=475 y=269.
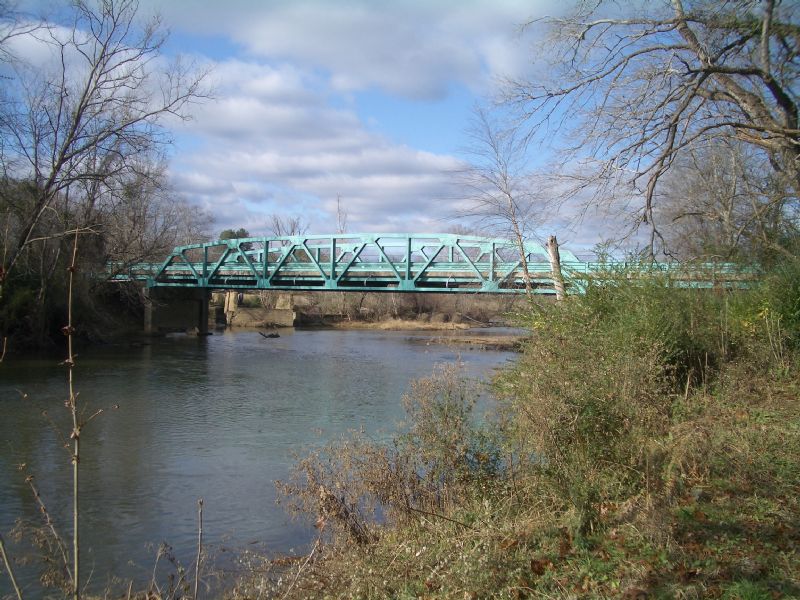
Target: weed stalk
x=75 y=436
x=9 y=570
x=48 y=521
x=199 y=546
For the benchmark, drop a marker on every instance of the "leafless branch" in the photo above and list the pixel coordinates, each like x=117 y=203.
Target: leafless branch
x=636 y=92
x=89 y=125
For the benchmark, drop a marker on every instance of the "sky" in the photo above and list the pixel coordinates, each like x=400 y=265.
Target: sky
x=365 y=100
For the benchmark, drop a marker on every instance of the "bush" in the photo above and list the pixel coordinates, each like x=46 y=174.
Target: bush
x=595 y=395
x=772 y=307
x=429 y=468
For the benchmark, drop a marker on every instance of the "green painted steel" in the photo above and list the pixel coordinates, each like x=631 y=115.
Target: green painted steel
x=395 y=262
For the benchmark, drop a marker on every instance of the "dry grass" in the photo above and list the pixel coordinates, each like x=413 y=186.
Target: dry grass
x=402 y=325
x=648 y=447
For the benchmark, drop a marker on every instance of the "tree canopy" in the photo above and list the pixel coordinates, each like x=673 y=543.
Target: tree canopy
x=638 y=85
x=232 y=234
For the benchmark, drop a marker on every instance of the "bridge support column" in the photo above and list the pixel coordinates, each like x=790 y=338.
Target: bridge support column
x=176 y=309
x=202 y=320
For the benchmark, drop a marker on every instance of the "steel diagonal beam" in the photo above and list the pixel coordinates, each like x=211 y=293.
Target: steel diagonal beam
x=315 y=261
x=281 y=262
x=243 y=254
x=510 y=271
x=160 y=270
x=428 y=264
x=471 y=264
x=219 y=263
x=197 y=276
x=487 y=250
x=391 y=264
x=356 y=253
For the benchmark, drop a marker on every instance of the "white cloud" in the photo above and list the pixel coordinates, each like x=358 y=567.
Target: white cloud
x=274 y=144
x=283 y=134
x=415 y=49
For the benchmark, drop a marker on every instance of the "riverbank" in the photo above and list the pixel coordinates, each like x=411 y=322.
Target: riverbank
x=484 y=339
x=476 y=336
x=392 y=324
x=670 y=425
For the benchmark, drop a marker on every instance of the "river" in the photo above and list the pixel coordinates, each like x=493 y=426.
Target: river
x=219 y=418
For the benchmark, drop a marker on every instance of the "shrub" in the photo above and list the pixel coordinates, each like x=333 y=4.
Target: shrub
x=429 y=468
x=593 y=395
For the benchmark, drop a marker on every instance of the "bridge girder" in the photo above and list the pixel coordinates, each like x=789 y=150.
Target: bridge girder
x=390 y=262
x=352 y=262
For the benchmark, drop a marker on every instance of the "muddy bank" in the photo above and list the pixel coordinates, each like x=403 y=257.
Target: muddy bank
x=402 y=325
x=474 y=335
x=511 y=343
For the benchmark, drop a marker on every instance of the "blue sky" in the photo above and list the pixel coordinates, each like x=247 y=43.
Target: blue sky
x=365 y=99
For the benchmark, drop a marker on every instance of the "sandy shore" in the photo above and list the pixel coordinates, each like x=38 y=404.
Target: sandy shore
x=401 y=325
x=481 y=340
x=484 y=342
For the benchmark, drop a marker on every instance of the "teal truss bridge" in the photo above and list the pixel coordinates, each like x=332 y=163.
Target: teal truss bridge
x=386 y=262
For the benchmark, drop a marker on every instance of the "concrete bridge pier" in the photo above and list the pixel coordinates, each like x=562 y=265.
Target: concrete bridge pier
x=176 y=309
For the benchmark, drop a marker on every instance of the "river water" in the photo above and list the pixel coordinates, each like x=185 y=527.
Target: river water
x=219 y=418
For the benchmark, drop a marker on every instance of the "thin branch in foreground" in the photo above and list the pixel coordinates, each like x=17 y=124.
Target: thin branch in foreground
x=199 y=546
x=48 y=521
x=9 y=570
x=300 y=570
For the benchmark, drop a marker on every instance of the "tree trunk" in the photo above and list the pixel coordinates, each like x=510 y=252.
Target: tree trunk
x=523 y=258
x=555 y=267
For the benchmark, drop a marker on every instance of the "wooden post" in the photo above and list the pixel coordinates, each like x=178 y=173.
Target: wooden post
x=555 y=267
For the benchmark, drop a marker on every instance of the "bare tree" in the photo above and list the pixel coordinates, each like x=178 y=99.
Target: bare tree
x=282 y=226
x=341 y=216
x=499 y=185
x=720 y=202
x=145 y=220
x=639 y=84
x=12 y=24
x=82 y=124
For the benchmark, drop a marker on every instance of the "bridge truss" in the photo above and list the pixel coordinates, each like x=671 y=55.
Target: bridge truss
x=365 y=262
